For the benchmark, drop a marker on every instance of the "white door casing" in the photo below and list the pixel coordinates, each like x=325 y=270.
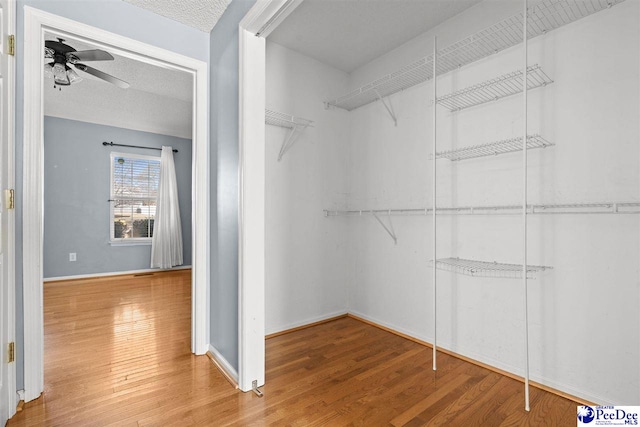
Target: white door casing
x=7 y=215
x=36 y=22
x=263 y=17
x=251 y=265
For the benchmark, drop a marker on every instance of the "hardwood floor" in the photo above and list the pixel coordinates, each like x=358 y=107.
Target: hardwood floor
x=117 y=353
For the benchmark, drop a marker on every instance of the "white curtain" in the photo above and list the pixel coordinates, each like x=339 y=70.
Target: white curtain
x=166 y=244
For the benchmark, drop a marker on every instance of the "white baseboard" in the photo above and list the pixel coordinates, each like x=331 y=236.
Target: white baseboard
x=114 y=273
x=297 y=324
x=223 y=364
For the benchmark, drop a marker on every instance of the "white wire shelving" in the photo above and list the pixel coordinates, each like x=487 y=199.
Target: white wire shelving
x=494 y=89
x=546 y=209
x=532 y=209
x=494 y=148
x=294 y=124
x=476 y=268
x=542 y=18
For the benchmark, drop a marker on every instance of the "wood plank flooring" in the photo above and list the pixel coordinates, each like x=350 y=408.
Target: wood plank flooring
x=117 y=353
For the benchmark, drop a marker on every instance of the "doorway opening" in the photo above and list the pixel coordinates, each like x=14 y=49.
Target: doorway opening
x=36 y=24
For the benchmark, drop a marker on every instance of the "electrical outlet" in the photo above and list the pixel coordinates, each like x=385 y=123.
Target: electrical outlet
x=72 y=256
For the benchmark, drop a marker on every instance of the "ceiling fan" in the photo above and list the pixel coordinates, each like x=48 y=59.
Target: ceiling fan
x=64 y=55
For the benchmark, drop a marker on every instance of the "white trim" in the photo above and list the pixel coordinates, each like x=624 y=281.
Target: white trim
x=200 y=212
x=251 y=227
x=307 y=321
x=32 y=222
x=223 y=363
x=10 y=267
x=136 y=156
x=251 y=209
x=35 y=23
x=265 y=16
x=113 y=273
x=136 y=241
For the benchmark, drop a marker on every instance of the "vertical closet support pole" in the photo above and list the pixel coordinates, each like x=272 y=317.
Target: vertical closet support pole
x=435 y=103
x=524 y=211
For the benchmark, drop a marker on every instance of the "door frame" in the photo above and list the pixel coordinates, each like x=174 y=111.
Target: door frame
x=261 y=19
x=10 y=86
x=36 y=22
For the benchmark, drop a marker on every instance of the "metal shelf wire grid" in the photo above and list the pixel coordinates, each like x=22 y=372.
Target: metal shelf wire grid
x=494 y=148
x=494 y=89
x=486 y=269
x=543 y=17
x=275 y=118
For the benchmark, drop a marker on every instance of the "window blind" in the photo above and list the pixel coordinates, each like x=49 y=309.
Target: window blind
x=134 y=189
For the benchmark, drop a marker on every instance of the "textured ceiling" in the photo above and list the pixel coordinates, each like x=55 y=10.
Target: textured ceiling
x=199 y=14
x=348 y=34
x=159 y=100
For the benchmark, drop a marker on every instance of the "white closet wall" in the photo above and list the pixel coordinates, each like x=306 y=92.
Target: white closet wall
x=584 y=329
x=306 y=255
x=584 y=320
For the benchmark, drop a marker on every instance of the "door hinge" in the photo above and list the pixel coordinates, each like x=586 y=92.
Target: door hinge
x=11 y=48
x=10 y=199
x=12 y=352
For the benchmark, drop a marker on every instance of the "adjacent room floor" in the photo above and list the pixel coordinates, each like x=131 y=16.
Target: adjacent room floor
x=117 y=352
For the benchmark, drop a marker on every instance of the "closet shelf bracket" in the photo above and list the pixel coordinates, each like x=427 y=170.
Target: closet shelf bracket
x=295 y=126
x=288 y=142
x=388 y=229
x=388 y=106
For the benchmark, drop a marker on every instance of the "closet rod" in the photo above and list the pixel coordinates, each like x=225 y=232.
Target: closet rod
x=111 y=144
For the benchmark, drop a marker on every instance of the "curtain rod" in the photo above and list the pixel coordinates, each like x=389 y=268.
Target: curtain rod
x=105 y=143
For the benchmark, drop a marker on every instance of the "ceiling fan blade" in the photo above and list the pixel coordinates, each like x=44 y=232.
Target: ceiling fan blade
x=89 y=55
x=101 y=75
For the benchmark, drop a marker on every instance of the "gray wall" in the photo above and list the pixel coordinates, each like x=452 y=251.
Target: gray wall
x=111 y=15
x=76 y=189
x=224 y=183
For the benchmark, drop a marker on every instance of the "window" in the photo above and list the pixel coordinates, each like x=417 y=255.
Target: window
x=134 y=188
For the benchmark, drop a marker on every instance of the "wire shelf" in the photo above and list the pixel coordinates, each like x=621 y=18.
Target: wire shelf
x=486 y=269
x=494 y=148
x=565 y=208
x=494 y=89
x=276 y=118
x=543 y=17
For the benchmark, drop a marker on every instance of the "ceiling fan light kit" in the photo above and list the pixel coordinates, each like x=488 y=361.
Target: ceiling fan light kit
x=73 y=76
x=48 y=71
x=62 y=55
x=60 y=74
